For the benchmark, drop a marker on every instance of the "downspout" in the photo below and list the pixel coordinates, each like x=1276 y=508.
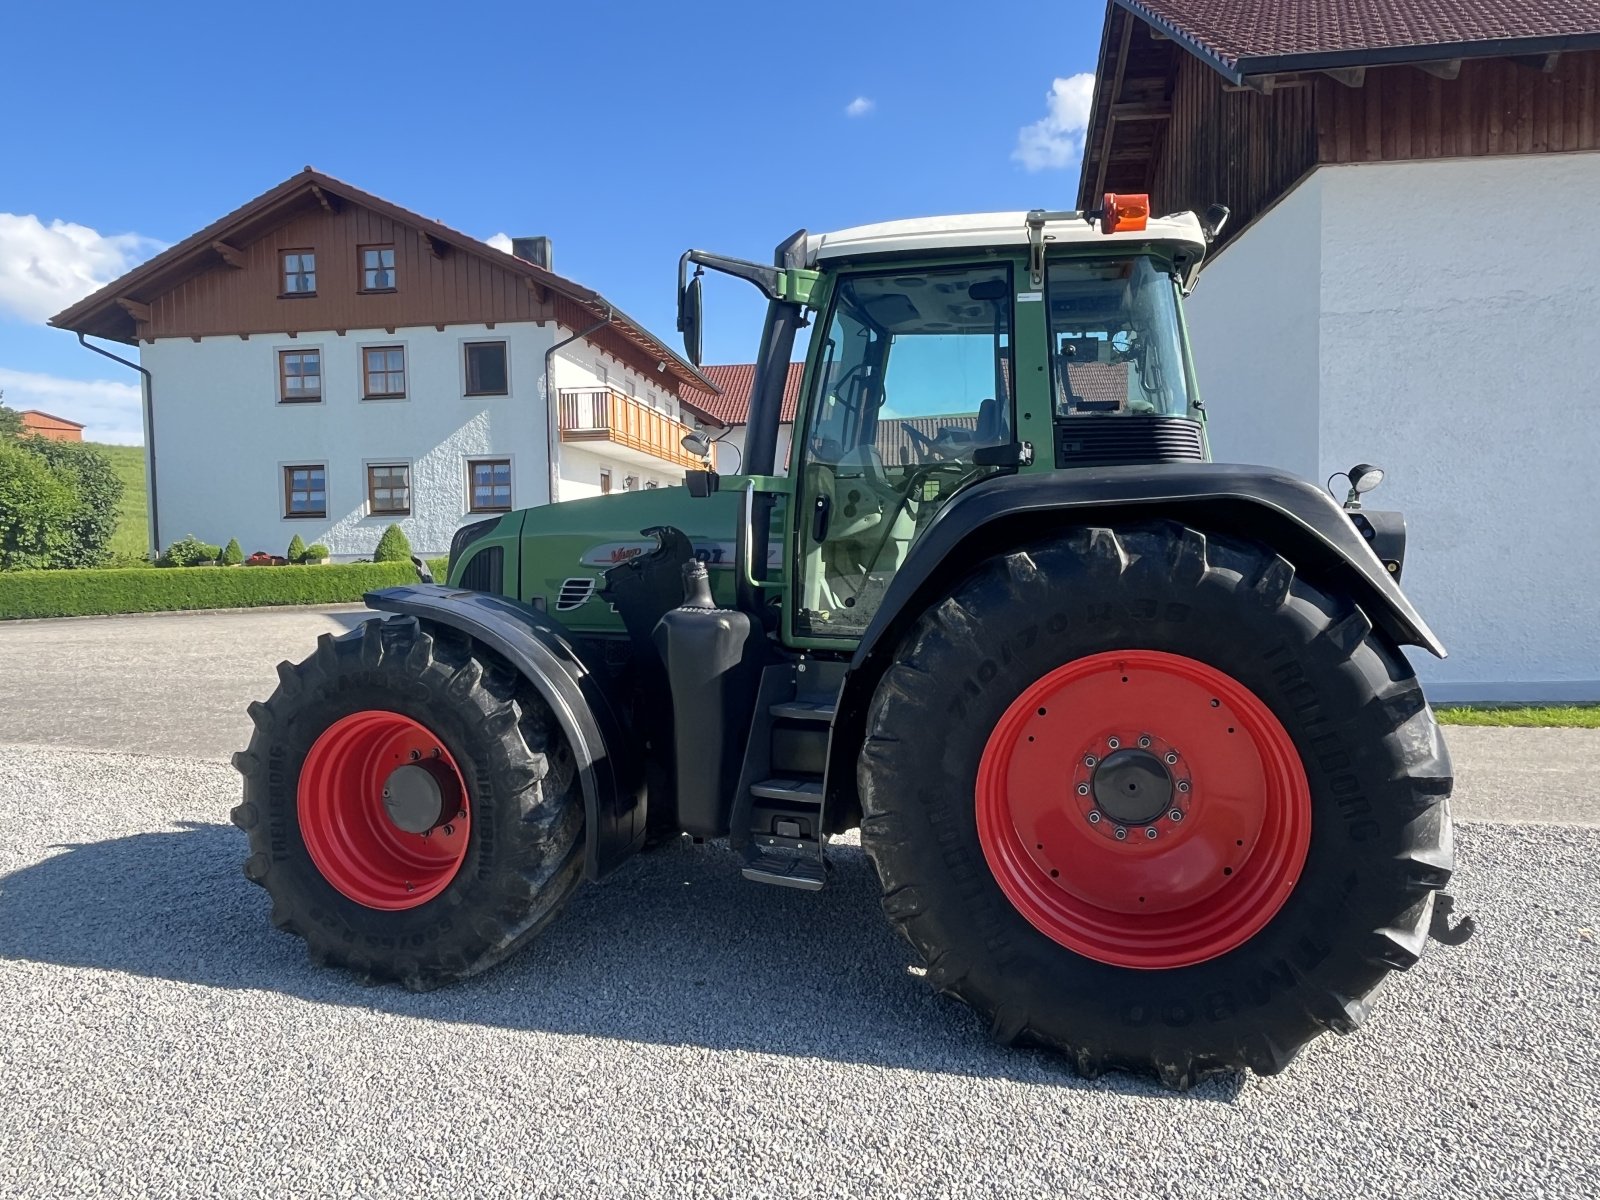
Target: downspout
x=149 y=438
x=552 y=433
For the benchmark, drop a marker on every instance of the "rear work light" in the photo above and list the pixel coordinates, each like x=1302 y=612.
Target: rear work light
x=1125 y=214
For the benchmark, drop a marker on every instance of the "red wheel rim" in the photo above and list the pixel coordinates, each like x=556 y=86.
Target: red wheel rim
x=353 y=779
x=1176 y=887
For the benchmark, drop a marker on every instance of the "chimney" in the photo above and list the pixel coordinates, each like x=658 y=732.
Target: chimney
x=533 y=249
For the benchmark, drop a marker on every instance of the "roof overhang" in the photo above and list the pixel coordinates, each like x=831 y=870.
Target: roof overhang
x=111 y=312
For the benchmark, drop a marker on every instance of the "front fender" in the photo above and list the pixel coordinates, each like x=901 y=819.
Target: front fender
x=609 y=764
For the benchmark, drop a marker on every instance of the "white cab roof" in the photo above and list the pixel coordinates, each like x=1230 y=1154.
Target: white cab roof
x=994 y=229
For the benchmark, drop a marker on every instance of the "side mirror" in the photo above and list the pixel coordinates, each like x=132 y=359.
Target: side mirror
x=689 y=317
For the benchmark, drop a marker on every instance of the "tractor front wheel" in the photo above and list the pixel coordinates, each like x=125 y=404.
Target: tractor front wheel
x=1148 y=797
x=412 y=808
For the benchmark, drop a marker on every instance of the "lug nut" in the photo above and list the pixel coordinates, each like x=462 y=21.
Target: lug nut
x=1144 y=742
x=1083 y=789
x=1183 y=785
x=1150 y=832
x=1089 y=760
x=416 y=754
x=1172 y=757
x=435 y=752
x=1113 y=743
x=1122 y=834
x=449 y=829
x=1094 y=816
x=1175 y=815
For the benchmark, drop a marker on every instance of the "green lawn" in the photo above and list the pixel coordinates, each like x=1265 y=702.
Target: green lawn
x=132 y=536
x=1571 y=716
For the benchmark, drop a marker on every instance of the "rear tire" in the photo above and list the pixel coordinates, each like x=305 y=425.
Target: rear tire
x=1351 y=904
x=508 y=873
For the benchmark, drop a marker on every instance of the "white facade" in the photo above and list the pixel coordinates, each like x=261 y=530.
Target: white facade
x=730 y=448
x=1431 y=318
x=223 y=439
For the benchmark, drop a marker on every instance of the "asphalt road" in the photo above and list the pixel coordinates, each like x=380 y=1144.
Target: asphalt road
x=678 y=1030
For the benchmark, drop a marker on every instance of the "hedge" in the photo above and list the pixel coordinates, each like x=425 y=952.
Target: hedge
x=100 y=592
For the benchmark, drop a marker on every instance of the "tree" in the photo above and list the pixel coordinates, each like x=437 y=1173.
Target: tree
x=36 y=510
x=297 y=549
x=94 y=481
x=393 y=546
x=10 y=421
x=232 y=553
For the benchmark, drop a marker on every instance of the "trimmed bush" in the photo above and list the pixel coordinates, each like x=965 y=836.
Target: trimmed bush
x=440 y=567
x=190 y=551
x=232 y=553
x=297 y=549
x=37 y=509
x=98 y=488
x=97 y=592
x=393 y=546
x=315 y=553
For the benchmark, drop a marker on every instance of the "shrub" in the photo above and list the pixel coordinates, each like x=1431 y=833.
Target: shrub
x=315 y=553
x=232 y=553
x=190 y=551
x=94 y=592
x=37 y=507
x=98 y=489
x=393 y=546
x=297 y=549
x=439 y=567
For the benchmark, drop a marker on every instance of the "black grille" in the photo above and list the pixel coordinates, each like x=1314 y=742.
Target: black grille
x=1122 y=441
x=485 y=570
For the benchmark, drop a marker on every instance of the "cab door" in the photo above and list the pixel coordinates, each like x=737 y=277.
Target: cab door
x=912 y=373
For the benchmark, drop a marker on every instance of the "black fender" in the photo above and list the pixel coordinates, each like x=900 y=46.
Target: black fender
x=1297 y=519
x=610 y=765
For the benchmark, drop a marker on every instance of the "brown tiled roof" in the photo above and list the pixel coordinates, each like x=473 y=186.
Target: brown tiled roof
x=1258 y=37
x=99 y=314
x=737 y=380
x=35 y=412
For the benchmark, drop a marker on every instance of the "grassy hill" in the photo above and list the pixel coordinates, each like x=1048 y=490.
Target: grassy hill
x=132 y=536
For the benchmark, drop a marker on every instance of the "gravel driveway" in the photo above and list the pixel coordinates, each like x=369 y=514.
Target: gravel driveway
x=678 y=1030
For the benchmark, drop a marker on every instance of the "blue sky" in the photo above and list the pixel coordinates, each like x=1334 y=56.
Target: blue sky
x=625 y=132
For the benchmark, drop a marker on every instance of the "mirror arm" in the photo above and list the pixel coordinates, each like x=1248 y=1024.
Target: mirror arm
x=768 y=279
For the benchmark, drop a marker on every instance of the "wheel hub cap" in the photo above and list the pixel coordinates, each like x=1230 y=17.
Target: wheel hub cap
x=414 y=799
x=1132 y=787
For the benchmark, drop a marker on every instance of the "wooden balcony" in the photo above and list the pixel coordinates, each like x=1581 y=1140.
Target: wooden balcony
x=604 y=415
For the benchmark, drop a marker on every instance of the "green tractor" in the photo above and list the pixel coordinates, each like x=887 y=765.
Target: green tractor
x=1129 y=735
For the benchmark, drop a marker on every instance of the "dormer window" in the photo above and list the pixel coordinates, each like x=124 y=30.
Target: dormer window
x=377 y=268
x=299 y=273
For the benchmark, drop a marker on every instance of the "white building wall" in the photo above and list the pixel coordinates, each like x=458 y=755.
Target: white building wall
x=222 y=438
x=1455 y=333
x=730 y=449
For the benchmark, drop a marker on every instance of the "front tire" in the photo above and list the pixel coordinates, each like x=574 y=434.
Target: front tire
x=1268 y=759
x=412 y=808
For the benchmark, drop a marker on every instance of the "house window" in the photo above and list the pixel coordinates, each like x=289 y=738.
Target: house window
x=299 y=273
x=389 y=489
x=305 y=491
x=299 y=376
x=605 y=481
x=490 y=481
x=377 y=268
x=486 y=369
x=384 y=369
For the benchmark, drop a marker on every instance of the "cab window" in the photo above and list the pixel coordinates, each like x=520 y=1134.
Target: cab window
x=913 y=377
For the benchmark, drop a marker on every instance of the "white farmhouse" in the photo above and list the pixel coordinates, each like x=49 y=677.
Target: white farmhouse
x=322 y=362
x=1407 y=278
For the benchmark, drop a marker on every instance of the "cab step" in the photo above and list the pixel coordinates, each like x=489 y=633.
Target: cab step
x=802 y=709
x=792 y=791
x=808 y=874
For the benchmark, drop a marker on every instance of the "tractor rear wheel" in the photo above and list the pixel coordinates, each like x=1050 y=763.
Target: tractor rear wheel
x=1148 y=797
x=412 y=809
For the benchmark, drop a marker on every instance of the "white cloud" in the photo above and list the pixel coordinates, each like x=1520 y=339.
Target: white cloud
x=109 y=408
x=500 y=241
x=44 y=268
x=1056 y=139
x=859 y=107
